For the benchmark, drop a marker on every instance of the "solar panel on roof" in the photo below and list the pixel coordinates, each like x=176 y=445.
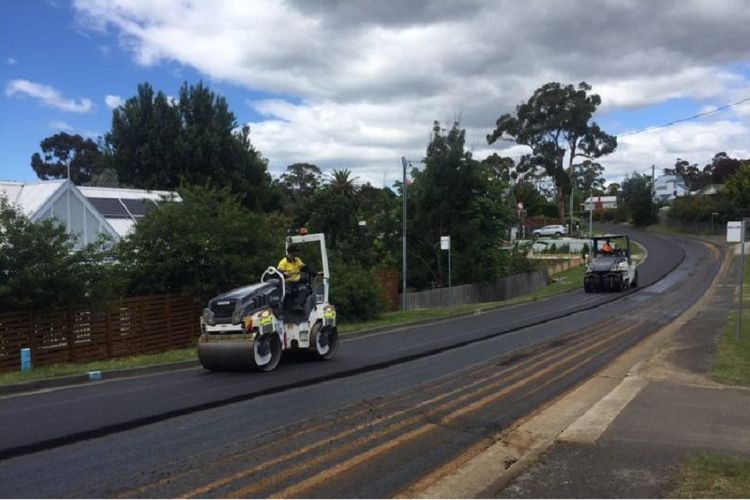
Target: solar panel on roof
x=109 y=207
x=139 y=207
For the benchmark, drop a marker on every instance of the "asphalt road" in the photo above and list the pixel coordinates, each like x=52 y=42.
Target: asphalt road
x=344 y=427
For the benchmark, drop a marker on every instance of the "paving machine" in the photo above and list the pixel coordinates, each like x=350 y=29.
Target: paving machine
x=610 y=267
x=249 y=327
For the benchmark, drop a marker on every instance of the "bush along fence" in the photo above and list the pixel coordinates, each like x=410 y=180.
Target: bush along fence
x=126 y=327
x=500 y=289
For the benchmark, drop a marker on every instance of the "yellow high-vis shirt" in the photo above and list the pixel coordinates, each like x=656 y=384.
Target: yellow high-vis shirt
x=292 y=269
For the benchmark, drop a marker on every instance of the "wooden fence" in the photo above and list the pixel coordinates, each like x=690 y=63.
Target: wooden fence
x=136 y=325
x=500 y=289
x=387 y=280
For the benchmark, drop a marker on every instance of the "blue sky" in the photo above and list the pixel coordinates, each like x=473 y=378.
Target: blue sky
x=357 y=84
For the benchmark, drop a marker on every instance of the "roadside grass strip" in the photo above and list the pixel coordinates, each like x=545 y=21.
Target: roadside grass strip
x=65 y=369
x=567 y=281
x=709 y=475
x=732 y=363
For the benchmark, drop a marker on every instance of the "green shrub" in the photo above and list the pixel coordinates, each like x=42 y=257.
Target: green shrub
x=354 y=292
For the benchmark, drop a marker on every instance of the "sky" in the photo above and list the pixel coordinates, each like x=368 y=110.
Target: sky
x=357 y=84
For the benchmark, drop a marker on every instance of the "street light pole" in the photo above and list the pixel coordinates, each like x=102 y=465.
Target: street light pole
x=572 y=194
x=591 y=213
x=404 y=164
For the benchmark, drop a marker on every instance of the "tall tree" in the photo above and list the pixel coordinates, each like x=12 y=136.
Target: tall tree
x=737 y=190
x=65 y=153
x=722 y=167
x=342 y=182
x=158 y=144
x=453 y=195
x=297 y=186
x=636 y=196
x=301 y=179
x=588 y=176
x=142 y=145
x=694 y=177
x=501 y=167
x=612 y=189
x=555 y=122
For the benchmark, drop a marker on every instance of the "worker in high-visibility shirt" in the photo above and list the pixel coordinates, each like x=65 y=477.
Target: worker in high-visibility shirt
x=291 y=267
x=607 y=247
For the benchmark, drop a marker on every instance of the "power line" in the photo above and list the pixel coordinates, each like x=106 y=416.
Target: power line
x=693 y=117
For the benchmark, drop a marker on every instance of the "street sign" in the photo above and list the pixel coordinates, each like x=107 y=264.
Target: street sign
x=735 y=232
x=445 y=243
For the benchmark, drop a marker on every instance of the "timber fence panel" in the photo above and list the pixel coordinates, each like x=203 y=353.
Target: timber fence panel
x=137 y=325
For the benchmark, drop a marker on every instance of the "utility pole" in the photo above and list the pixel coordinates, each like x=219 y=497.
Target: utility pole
x=742 y=278
x=572 y=193
x=404 y=164
x=653 y=192
x=591 y=213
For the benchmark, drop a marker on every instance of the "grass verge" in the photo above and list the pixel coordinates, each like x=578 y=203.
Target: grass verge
x=562 y=283
x=732 y=362
x=63 y=369
x=709 y=475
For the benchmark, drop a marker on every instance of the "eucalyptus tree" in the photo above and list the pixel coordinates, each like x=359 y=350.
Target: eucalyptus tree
x=556 y=122
x=65 y=155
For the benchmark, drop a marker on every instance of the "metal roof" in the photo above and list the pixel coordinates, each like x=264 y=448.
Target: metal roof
x=30 y=197
x=127 y=193
x=119 y=208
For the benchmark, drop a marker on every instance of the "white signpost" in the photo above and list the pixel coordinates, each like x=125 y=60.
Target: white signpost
x=445 y=244
x=736 y=234
x=734 y=231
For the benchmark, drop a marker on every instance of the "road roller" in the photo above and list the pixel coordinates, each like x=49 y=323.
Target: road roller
x=249 y=328
x=610 y=267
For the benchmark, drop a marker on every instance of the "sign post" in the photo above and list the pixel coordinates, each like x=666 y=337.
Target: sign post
x=445 y=244
x=404 y=164
x=735 y=234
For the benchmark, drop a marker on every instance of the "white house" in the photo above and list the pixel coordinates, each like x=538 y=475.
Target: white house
x=599 y=202
x=87 y=212
x=669 y=187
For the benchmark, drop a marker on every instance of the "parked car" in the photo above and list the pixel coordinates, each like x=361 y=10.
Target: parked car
x=552 y=230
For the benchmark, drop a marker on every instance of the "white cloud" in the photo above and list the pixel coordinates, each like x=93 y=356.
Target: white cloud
x=696 y=142
x=11 y=61
x=61 y=126
x=367 y=79
x=47 y=95
x=113 y=101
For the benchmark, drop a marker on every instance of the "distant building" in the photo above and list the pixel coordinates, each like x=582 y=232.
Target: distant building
x=86 y=212
x=600 y=203
x=669 y=187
